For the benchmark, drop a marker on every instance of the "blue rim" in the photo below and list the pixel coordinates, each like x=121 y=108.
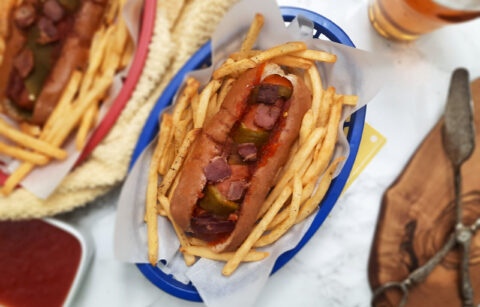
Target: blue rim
x=334 y=33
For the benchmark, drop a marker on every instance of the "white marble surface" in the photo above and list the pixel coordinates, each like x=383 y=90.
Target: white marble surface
x=331 y=269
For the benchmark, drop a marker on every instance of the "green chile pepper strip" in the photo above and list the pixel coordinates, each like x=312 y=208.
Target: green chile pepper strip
x=216 y=203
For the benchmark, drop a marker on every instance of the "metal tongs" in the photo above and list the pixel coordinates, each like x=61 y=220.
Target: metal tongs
x=459 y=141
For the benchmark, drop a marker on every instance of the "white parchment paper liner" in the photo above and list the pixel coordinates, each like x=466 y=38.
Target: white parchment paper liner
x=355 y=72
x=43 y=180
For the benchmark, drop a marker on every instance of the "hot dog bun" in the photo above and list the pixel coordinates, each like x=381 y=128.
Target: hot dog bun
x=210 y=144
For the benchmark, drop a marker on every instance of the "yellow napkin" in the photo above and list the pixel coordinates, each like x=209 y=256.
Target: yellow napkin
x=372 y=142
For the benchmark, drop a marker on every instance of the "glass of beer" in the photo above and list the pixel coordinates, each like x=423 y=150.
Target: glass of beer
x=406 y=20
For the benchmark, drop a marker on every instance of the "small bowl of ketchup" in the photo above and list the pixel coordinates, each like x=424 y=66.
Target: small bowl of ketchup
x=42 y=262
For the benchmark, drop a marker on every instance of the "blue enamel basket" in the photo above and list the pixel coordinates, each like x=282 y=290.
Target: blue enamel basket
x=323 y=26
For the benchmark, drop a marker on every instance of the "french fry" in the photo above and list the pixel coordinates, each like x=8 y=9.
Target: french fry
x=191 y=87
x=31 y=142
x=292 y=61
x=97 y=51
x=307 y=190
x=306 y=164
x=173 y=187
x=122 y=35
x=168 y=155
x=65 y=124
x=111 y=11
x=188 y=258
x=317 y=91
x=113 y=51
x=96 y=56
x=188 y=115
x=64 y=102
x=316 y=55
x=22 y=154
x=196 y=241
x=17 y=176
x=205 y=252
x=326 y=104
x=233 y=68
x=30 y=129
x=328 y=145
x=301 y=166
x=166 y=130
x=88 y=122
x=292 y=210
x=23 y=170
x=349 y=100
x=127 y=54
x=177 y=163
x=257 y=231
x=278 y=51
x=151 y=207
x=111 y=63
x=252 y=34
x=194 y=105
x=180 y=132
x=228 y=62
x=205 y=95
x=236 y=56
x=322 y=188
x=315 y=137
x=306 y=127
x=161 y=211
x=280 y=217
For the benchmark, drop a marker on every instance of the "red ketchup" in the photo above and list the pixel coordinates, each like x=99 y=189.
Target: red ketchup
x=38 y=263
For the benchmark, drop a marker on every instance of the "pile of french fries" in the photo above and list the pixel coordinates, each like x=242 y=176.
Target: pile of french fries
x=77 y=109
x=296 y=193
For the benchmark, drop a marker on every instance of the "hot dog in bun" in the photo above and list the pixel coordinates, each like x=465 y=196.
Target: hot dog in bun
x=58 y=60
x=48 y=40
x=233 y=163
